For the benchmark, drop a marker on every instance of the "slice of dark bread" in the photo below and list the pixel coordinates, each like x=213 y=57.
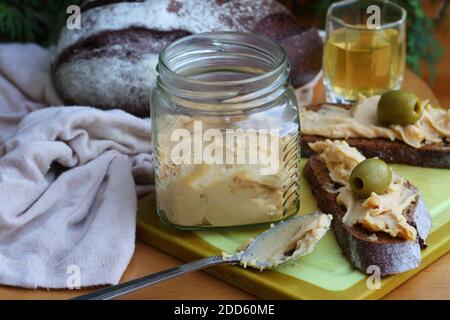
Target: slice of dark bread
x=429 y=155
x=362 y=248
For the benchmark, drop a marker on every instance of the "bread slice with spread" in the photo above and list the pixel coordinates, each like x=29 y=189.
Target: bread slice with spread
x=385 y=231
x=424 y=143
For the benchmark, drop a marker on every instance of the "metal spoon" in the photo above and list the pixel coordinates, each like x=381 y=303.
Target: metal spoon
x=285 y=241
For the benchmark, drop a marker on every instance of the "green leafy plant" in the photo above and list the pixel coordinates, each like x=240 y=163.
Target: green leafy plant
x=421 y=42
x=422 y=45
x=33 y=20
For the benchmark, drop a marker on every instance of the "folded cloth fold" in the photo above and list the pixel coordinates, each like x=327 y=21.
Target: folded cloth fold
x=69 y=178
x=25 y=84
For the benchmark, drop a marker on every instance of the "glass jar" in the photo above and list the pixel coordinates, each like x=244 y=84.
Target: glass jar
x=225 y=131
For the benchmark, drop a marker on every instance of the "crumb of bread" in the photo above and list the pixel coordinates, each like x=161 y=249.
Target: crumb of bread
x=372 y=237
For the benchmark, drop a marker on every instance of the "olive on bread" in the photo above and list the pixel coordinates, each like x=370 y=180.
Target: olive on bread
x=385 y=230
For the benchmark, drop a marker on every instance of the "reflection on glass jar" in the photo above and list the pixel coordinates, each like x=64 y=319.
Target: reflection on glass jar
x=225 y=132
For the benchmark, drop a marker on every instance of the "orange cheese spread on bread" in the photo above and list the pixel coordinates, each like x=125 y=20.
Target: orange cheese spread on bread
x=376 y=213
x=361 y=121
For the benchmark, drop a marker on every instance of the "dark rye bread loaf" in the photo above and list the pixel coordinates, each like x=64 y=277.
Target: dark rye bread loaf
x=429 y=155
x=362 y=249
x=110 y=62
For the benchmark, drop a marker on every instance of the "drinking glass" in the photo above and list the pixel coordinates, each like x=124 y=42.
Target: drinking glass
x=365 y=48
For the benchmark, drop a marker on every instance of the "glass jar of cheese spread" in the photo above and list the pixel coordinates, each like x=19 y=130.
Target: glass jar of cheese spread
x=225 y=131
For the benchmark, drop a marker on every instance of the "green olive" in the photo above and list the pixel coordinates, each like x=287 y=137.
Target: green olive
x=399 y=107
x=370 y=175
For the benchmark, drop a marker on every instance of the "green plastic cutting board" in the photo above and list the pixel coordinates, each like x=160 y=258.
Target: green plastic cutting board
x=325 y=273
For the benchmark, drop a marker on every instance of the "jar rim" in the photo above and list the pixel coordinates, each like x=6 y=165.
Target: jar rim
x=259 y=60
x=224 y=37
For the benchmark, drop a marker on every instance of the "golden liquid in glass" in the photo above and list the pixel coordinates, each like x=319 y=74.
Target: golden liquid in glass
x=363 y=61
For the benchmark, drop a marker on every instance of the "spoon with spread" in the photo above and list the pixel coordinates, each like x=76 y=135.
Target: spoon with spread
x=285 y=241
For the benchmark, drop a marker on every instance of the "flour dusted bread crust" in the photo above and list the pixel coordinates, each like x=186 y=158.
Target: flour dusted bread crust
x=110 y=62
x=362 y=248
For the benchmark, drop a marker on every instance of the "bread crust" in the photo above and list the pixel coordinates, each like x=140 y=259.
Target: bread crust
x=112 y=69
x=362 y=249
x=429 y=155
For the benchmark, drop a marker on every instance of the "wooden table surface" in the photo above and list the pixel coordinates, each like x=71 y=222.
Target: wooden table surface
x=432 y=283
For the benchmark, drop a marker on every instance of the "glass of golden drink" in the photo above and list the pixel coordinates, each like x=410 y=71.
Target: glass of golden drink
x=365 y=48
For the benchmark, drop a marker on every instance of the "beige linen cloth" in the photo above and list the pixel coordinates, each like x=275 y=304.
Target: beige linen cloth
x=69 y=179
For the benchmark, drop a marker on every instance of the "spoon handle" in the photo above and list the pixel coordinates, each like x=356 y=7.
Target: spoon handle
x=136 y=284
